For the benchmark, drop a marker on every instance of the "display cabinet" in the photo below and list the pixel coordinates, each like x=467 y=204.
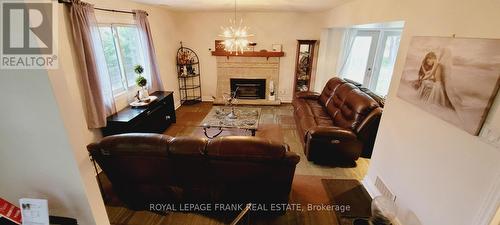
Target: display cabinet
x=303 y=65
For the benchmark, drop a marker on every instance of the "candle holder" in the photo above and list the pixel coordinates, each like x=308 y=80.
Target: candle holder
x=231 y=100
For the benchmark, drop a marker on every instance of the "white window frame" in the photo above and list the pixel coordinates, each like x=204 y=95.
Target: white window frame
x=377 y=63
x=377 y=47
x=125 y=86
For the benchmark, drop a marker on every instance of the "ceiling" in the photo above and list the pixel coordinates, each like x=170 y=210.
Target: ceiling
x=247 y=5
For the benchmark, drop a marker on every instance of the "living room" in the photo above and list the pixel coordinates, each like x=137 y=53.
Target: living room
x=433 y=170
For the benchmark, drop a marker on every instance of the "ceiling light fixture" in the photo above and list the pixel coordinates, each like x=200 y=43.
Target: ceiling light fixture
x=236 y=37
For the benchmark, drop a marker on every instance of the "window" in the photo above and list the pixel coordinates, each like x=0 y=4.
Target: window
x=122 y=52
x=371 y=58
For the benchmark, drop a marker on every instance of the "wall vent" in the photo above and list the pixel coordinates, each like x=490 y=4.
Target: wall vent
x=384 y=190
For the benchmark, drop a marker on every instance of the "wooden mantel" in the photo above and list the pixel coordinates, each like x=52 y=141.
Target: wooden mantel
x=249 y=54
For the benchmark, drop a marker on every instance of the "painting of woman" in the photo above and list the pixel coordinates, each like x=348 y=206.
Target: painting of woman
x=455 y=79
x=430 y=81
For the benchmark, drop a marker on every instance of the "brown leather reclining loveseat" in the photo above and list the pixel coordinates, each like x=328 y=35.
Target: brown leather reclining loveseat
x=340 y=124
x=153 y=168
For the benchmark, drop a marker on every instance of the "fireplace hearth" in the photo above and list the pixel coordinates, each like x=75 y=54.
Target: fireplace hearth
x=249 y=88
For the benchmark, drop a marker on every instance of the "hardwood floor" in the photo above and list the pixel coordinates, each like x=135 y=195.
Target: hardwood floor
x=189 y=118
x=306 y=188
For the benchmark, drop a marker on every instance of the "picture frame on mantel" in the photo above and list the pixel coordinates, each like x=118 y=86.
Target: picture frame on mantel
x=219 y=46
x=276 y=48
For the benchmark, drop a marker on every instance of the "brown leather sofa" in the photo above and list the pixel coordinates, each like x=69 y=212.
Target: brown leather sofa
x=339 y=125
x=153 y=168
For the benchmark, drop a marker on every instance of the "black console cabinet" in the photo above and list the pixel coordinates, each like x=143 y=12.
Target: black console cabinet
x=154 y=118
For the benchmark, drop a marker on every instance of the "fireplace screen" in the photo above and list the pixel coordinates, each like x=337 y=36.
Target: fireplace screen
x=249 y=88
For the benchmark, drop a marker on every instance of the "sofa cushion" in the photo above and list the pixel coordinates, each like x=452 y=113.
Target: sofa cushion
x=123 y=157
x=329 y=90
x=308 y=107
x=187 y=146
x=241 y=148
x=354 y=108
x=307 y=122
x=323 y=122
x=337 y=100
x=135 y=144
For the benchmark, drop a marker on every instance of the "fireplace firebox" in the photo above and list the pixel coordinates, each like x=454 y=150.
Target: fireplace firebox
x=249 y=88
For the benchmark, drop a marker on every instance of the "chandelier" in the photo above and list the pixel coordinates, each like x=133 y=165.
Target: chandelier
x=235 y=37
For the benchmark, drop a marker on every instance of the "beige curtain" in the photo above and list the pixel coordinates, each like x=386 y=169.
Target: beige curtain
x=141 y=20
x=95 y=81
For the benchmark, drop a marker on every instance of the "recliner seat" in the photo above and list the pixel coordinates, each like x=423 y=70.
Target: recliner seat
x=339 y=124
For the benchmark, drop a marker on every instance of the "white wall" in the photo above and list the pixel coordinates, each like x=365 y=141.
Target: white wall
x=36 y=157
x=440 y=172
x=199 y=30
x=329 y=52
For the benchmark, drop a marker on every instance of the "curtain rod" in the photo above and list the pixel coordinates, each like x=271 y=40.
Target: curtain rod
x=101 y=9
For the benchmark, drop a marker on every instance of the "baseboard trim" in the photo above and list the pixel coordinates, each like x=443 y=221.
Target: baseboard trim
x=177 y=105
x=207 y=99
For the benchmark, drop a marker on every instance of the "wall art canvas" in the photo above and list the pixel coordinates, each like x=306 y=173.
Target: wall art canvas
x=455 y=79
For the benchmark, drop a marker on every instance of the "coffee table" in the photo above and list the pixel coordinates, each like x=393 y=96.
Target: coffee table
x=246 y=118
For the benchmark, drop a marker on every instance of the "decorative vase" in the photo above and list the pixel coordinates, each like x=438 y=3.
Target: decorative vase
x=232 y=115
x=184 y=70
x=143 y=94
x=272 y=96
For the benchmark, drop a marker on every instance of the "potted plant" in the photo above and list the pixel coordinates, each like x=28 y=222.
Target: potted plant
x=141 y=82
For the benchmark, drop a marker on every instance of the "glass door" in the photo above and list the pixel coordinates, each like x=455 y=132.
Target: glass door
x=384 y=62
x=360 y=56
x=371 y=56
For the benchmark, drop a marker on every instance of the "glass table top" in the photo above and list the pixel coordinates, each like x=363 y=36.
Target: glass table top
x=246 y=118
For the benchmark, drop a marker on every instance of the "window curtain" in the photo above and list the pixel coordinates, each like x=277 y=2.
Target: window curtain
x=348 y=41
x=151 y=69
x=95 y=81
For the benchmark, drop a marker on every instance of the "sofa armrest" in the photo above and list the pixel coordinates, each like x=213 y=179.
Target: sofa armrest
x=292 y=158
x=307 y=95
x=336 y=133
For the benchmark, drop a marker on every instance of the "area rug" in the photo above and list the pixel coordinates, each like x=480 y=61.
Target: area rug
x=346 y=192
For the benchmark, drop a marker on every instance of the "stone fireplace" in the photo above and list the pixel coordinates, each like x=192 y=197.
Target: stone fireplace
x=254 y=75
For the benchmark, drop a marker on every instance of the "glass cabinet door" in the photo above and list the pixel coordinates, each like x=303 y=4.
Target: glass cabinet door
x=304 y=62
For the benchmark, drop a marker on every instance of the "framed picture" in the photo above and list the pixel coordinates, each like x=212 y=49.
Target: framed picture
x=276 y=48
x=455 y=79
x=219 y=45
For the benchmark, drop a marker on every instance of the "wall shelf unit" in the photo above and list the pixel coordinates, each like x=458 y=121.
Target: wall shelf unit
x=188 y=73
